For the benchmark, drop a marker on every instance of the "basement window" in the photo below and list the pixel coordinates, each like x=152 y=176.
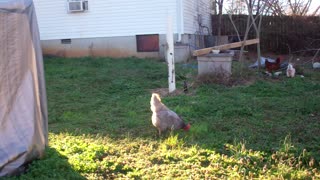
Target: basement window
x=148 y=43
x=65 y=41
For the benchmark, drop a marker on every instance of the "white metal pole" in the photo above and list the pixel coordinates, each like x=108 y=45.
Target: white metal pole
x=170 y=56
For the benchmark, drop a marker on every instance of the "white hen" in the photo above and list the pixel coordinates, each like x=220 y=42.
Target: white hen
x=291 y=71
x=163 y=118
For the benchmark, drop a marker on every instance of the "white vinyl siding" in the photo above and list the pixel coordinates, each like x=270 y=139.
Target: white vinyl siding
x=105 y=18
x=192 y=9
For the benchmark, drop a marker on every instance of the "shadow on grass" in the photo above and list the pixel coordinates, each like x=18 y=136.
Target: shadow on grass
x=52 y=166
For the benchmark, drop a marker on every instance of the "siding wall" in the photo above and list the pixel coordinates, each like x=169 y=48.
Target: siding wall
x=191 y=11
x=105 y=18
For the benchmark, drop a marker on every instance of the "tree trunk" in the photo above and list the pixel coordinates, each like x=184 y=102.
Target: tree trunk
x=220 y=4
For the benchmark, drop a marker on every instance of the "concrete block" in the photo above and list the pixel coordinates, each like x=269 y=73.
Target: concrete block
x=215 y=63
x=181 y=53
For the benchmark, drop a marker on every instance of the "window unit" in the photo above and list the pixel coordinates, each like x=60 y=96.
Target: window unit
x=77 y=6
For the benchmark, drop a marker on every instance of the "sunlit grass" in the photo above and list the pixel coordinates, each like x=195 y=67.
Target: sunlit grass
x=100 y=126
x=100 y=157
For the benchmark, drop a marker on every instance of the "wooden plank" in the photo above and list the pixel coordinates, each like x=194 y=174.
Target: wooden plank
x=225 y=47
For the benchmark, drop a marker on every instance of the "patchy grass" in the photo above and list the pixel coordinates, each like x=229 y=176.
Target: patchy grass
x=100 y=127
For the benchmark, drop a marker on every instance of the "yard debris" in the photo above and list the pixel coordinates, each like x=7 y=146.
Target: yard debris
x=215 y=51
x=263 y=63
x=185 y=86
x=316 y=65
x=225 y=47
x=275 y=74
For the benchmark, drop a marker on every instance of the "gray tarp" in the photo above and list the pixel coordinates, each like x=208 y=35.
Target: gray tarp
x=23 y=105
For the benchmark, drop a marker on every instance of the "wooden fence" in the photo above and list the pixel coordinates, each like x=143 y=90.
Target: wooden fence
x=278 y=34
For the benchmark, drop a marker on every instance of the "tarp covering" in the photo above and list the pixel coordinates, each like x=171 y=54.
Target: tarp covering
x=23 y=104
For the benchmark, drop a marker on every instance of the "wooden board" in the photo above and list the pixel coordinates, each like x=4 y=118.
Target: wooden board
x=225 y=47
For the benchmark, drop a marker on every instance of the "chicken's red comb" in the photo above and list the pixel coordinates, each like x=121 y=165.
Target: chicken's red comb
x=187 y=127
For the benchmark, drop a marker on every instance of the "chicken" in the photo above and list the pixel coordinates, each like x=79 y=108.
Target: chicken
x=163 y=118
x=273 y=66
x=291 y=71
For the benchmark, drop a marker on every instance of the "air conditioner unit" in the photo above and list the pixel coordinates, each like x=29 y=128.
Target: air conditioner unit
x=77 y=5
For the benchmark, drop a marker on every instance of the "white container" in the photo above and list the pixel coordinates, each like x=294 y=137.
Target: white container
x=216 y=51
x=215 y=63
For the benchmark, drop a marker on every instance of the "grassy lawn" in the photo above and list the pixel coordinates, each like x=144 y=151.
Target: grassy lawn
x=100 y=125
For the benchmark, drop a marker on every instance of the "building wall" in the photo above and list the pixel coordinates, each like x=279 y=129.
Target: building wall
x=123 y=46
x=109 y=27
x=196 y=13
x=105 y=18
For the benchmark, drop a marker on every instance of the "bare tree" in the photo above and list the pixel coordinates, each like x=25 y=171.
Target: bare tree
x=290 y=7
x=299 y=7
x=257 y=7
x=220 y=7
x=260 y=9
x=316 y=11
x=274 y=7
x=236 y=7
x=214 y=7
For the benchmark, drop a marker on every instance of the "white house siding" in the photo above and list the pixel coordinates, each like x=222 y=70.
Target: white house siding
x=105 y=18
x=193 y=11
x=109 y=27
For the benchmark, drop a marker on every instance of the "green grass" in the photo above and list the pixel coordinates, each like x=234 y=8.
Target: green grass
x=100 y=125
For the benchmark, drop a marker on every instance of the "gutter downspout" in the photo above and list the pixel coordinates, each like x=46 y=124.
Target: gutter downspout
x=179 y=19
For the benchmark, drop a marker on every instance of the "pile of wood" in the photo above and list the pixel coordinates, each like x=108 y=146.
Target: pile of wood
x=205 y=51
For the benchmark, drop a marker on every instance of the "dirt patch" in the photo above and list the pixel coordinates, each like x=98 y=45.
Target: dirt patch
x=163 y=92
x=230 y=82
